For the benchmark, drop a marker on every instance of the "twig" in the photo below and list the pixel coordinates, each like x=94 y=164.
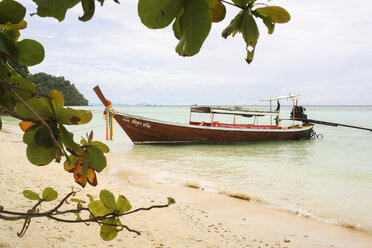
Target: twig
x=51 y=135
x=61 y=203
x=12 y=85
x=54 y=215
x=145 y=209
x=27 y=222
x=14 y=114
x=231 y=4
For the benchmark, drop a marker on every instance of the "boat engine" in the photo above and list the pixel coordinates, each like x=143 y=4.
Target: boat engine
x=299 y=112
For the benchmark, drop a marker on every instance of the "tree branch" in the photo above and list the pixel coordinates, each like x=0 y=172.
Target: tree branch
x=51 y=135
x=54 y=214
x=232 y=4
x=14 y=114
x=13 y=85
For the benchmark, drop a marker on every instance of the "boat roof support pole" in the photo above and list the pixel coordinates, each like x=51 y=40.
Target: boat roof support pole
x=271 y=118
x=293 y=110
x=211 y=115
x=190 y=116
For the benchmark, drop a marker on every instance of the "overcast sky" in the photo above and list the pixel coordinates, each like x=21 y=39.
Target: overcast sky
x=324 y=53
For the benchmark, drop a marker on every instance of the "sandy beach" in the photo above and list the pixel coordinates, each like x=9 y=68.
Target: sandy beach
x=198 y=219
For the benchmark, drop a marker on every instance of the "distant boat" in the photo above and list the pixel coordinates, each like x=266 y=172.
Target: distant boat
x=142 y=130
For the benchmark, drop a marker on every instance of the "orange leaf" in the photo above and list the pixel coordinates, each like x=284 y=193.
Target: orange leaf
x=78 y=175
x=25 y=125
x=70 y=168
x=92 y=178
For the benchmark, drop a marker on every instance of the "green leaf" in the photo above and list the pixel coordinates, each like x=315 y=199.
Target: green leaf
x=83 y=142
x=103 y=147
x=40 y=106
x=22 y=83
x=123 y=205
x=90 y=137
x=6 y=98
x=42 y=137
x=39 y=155
x=278 y=14
x=108 y=199
x=109 y=232
x=31 y=195
x=11 y=11
x=195 y=24
x=8 y=47
x=68 y=140
x=177 y=26
x=171 y=201
x=91 y=199
x=78 y=217
x=3 y=69
x=84 y=178
x=29 y=135
x=249 y=28
x=17 y=26
x=96 y=158
x=13 y=34
x=31 y=52
x=234 y=25
x=71 y=116
x=78 y=200
x=88 y=7
x=217 y=10
x=101 y=2
x=70 y=163
x=241 y=3
x=268 y=21
x=49 y=194
x=57 y=99
x=98 y=208
x=1 y=123
x=54 y=8
x=158 y=13
x=250 y=34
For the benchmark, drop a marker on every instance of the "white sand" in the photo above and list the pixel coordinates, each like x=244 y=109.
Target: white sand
x=198 y=219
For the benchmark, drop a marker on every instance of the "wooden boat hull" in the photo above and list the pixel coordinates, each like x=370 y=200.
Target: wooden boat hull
x=143 y=130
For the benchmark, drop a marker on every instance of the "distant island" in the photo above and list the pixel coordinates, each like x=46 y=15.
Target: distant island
x=44 y=83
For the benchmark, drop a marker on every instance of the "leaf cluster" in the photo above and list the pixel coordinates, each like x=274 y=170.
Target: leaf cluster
x=192 y=20
x=106 y=210
x=85 y=160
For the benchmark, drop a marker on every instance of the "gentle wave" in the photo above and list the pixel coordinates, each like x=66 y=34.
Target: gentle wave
x=167 y=178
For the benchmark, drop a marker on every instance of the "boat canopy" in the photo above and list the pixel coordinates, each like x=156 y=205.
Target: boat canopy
x=280 y=98
x=236 y=110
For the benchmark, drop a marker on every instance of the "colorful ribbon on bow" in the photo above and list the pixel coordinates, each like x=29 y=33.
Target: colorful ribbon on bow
x=108 y=113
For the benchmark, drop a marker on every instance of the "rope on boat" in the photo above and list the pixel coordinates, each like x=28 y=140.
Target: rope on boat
x=108 y=113
x=81 y=129
x=314 y=135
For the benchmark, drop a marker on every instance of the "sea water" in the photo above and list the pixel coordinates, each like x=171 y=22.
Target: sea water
x=327 y=179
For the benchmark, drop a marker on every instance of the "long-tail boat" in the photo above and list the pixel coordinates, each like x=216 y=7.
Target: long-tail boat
x=142 y=130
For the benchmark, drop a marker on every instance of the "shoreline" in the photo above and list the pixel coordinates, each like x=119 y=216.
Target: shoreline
x=198 y=219
x=161 y=177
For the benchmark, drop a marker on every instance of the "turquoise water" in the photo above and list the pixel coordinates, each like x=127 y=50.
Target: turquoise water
x=328 y=179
